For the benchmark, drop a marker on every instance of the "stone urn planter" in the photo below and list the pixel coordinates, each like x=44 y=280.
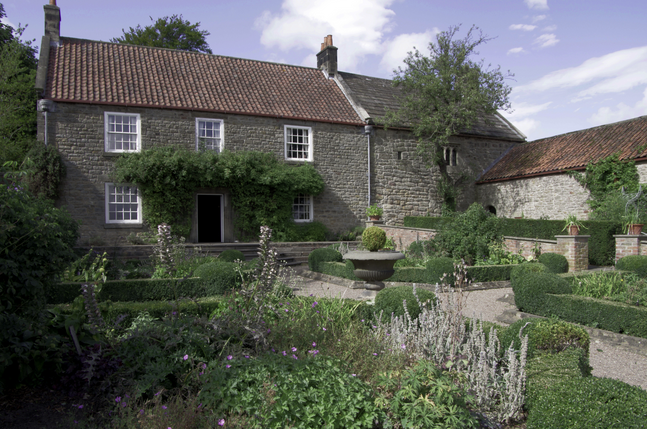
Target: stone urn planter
x=373 y=267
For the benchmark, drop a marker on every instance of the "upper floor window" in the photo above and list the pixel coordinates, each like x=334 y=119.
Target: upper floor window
x=208 y=134
x=302 y=208
x=123 y=204
x=450 y=155
x=122 y=132
x=298 y=143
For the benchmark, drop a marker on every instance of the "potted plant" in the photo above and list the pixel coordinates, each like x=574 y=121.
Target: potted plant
x=572 y=225
x=374 y=212
x=633 y=223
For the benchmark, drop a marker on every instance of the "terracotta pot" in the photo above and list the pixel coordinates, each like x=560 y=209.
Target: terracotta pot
x=374 y=217
x=635 y=229
x=573 y=230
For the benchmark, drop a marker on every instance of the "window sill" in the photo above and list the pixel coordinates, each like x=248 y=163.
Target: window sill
x=123 y=225
x=297 y=161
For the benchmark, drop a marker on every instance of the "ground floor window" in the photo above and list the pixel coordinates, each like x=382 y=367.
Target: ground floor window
x=302 y=208
x=123 y=204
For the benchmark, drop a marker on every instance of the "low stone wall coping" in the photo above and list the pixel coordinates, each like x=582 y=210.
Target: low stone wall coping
x=538 y=240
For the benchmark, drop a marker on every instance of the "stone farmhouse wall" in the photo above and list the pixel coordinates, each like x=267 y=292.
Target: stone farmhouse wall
x=78 y=132
x=403 y=185
x=549 y=197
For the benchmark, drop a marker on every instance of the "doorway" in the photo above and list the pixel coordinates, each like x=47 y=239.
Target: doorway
x=210 y=218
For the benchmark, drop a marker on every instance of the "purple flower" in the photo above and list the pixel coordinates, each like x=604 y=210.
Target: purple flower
x=227 y=366
x=221 y=422
x=163 y=407
x=354 y=375
x=141 y=412
x=80 y=407
x=186 y=357
x=246 y=357
x=204 y=366
x=314 y=304
x=325 y=329
x=118 y=399
x=284 y=353
x=294 y=349
x=403 y=347
x=230 y=357
x=374 y=354
x=314 y=344
x=294 y=357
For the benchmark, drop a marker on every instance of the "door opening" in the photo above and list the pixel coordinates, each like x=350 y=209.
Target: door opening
x=209 y=218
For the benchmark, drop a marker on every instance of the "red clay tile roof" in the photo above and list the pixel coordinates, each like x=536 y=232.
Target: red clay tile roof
x=572 y=150
x=87 y=71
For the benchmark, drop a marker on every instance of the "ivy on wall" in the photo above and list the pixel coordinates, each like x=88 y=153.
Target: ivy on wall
x=262 y=187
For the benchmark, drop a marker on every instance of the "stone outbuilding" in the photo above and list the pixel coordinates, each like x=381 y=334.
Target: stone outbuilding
x=100 y=100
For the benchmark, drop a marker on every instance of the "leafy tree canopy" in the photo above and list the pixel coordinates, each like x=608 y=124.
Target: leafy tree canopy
x=445 y=92
x=171 y=32
x=18 y=95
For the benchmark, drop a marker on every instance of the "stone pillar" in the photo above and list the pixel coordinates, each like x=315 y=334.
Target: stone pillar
x=370 y=223
x=627 y=245
x=576 y=250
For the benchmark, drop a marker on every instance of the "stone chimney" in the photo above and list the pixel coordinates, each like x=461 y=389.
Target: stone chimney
x=327 y=58
x=52 y=21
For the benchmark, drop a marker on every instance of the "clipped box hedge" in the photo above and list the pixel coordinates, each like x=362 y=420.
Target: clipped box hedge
x=133 y=290
x=157 y=309
x=338 y=269
x=602 y=245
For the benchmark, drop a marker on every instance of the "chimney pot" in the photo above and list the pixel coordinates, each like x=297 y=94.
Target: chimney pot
x=327 y=58
x=52 y=2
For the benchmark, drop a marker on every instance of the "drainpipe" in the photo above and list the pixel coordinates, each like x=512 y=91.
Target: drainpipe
x=368 y=129
x=45 y=106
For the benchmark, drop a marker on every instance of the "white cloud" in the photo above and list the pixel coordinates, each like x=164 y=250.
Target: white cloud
x=538 y=18
x=550 y=28
x=524 y=27
x=519 y=50
x=396 y=50
x=606 y=115
x=358 y=31
x=526 y=126
x=537 y=4
x=5 y=21
x=521 y=110
x=546 y=40
x=614 y=72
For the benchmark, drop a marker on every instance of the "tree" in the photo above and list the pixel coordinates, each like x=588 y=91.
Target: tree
x=18 y=96
x=443 y=94
x=169 y=32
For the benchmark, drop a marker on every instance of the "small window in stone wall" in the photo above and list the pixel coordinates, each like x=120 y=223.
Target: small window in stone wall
x=122 y=132
x=298 y=143
x=209 y=134
x=123 y=204
x=449 y=155
x=302 y=208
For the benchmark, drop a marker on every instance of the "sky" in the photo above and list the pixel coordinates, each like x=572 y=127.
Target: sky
x=576 y=63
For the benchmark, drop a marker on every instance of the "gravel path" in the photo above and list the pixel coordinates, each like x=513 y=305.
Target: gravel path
x=611 y=355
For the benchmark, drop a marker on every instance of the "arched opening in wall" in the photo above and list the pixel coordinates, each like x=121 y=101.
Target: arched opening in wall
x=491 y=209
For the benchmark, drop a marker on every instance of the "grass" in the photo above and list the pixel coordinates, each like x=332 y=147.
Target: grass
x=614 y=286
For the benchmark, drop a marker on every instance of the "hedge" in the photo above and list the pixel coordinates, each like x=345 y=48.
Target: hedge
x=634 y=263
x=157 y=309
x=338 y=269
x=547 y=294
x=489 y=273
x=132 y=290
x=326 y=254
x=602 y=245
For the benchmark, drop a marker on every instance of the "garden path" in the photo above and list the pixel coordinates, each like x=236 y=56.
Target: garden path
x=611 y=355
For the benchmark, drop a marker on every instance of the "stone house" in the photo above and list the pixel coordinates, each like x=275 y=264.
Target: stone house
x=99 y=100
x=530 y=179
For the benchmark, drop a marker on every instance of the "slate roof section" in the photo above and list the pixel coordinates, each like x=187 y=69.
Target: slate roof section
x=86 y=71
x=377 y=96
x=572 y=151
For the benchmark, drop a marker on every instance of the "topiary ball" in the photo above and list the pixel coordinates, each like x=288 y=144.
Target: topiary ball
x=634 y=263
x=531 y=288
x=390 y=301
x=555 y=263
x=231 y=255
x=373 y=238
x=325 y=254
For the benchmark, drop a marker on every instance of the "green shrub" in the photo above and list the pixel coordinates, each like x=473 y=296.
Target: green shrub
x=218 y=277
x=420 y=249
x=325 y=254
x=589 y=403
x=519 y=271
x=554 y=262
x=302 y=232
x=633 y=263
x=468 y=235
x=390 y=301
x=410 y=275
x=530 y=290
x=437 y=268
x=231 y=255
x=426 y=222
x=373 y=238
x=308 y=393
x=339 y=269
x=545 y=335
x=425 y=397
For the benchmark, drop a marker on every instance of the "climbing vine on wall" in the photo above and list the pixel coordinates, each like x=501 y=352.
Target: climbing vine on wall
x=262 y=187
